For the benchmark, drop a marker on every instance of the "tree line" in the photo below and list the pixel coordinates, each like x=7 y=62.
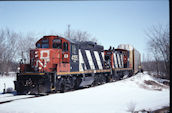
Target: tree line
x=12 y=46
x=158 y=59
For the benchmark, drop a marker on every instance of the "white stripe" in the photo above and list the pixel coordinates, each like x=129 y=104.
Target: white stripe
x=119 y=61
x=90 y=60
x=122 y=61
x=103 y=56
x=114 y=56
x=96 y=54
x=81 y=61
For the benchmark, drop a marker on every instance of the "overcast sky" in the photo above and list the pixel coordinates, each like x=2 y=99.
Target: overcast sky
x=111 y=22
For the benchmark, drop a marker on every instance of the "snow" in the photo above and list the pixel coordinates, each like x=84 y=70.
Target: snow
x=115 y=97
x=6 y=82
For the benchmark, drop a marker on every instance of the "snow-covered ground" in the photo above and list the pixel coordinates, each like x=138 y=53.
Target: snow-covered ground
x=138 y=92
x=7 y=81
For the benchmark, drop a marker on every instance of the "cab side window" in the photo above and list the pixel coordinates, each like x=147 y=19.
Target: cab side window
x=38 y=45
x=65 y=46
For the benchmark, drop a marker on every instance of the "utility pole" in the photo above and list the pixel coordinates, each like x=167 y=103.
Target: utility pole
x=69 y=31
x=143 y=58
x=22 y=57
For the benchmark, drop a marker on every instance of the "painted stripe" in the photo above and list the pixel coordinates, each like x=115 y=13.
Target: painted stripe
x=98 y=60
x=90 y=60
x=94 y=60
x=85 y=59
x=115 y=61
x=92 y=71
x=122 y=69
x=101 y=58
x=81 y=62
x=122 y=65
x=119 y=62
x=33 y=74
x=81 y=72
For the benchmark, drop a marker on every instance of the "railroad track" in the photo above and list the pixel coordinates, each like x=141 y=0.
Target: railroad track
x=17 y=97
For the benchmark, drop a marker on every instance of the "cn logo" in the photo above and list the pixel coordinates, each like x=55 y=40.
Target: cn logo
x=45 y=57
x=45 y=54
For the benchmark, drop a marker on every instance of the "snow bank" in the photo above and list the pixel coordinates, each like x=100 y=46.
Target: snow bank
x=6 y=82
x=116 y=97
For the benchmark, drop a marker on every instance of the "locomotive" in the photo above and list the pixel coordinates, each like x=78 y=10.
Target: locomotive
x=59 y=64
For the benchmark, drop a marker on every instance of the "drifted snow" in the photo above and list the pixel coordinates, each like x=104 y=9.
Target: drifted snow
x=116 y=97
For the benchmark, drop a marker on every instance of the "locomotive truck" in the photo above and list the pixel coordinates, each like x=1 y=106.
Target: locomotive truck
x=59 y=64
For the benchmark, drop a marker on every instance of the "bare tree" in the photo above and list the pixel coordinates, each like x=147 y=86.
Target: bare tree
x=2 y=47
x=8 y=49
x=78 y=35
x=12 y=45
x=158 y=43
x=25 y=44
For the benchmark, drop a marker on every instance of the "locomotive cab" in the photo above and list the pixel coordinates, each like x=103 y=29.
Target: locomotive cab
x=116 y=58
x=51 y=54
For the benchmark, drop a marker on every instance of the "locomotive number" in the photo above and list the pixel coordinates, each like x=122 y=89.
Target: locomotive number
x=74 y=58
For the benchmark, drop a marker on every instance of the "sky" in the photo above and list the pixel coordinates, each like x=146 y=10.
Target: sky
x=110 y=22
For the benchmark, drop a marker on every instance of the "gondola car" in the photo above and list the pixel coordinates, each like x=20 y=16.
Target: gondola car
x=58 y=64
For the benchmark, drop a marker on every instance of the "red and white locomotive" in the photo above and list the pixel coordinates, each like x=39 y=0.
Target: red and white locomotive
x=59 y=64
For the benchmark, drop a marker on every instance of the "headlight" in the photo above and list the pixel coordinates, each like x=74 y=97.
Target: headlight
x=58 y=77
x=18 y=68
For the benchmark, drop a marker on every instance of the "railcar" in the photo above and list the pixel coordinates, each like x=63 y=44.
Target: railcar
x=58 y=64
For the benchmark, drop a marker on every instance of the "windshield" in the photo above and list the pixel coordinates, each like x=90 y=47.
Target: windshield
x=57 y=43
x=45 y=45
